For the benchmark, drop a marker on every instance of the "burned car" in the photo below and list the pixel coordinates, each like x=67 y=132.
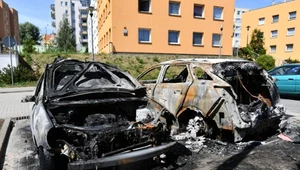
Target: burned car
x=89 y=115
x=225 y=95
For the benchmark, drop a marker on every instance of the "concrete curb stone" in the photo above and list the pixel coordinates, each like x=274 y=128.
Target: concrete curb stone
x=4 y=136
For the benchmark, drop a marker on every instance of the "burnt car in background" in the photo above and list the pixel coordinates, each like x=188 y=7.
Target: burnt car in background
x=228 y=94
x=89 y=115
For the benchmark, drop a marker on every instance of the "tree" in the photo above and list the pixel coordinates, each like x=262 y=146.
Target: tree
x=28 y=46
x=65 y=37
x=29 y=31
x=257 y=42
x=267 y=62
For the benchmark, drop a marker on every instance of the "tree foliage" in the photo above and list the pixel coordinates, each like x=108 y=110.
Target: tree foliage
x=257 y=42
x=28 y=46
x=29 y=31
x=65 y=37
x=267 y=62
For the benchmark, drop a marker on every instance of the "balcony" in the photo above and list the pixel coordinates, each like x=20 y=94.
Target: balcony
x=83 y=8
x=53 y=24
x=84 y=24
x=83 y=16
x=83 y=40
x=84 y=32
x=52 y=14
x=52 y=6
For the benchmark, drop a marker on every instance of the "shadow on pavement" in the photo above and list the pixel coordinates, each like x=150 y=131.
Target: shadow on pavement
x=291 y=97
x=235 y=160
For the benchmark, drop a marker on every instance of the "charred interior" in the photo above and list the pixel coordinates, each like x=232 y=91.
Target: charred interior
x=98 y=130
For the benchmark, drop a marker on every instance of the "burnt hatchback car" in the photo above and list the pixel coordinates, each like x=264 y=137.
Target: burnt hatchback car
x=227 y=94
x=89 y=115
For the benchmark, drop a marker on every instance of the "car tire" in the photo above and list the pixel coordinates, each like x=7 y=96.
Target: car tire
x=46 y=160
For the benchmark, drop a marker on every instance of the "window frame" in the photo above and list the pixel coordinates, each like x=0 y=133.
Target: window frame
x=222 y=14
x=199 y=33
x=259 y=21
x=287 y=34
x=290 y=19
x=179 y=8
x=144 y=29
x=274 y=36
x=275 y=20
x=142 y=11
x=178 y=37
x=215 y=34
x=202 y=15
x=271 y=48
x=286 y=48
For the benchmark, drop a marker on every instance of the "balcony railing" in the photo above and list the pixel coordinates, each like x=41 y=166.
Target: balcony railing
x=52 y=6
x=84 y=24
x=84 y=32
x=83 y=40
x=53 y=24
x=83 y=16
x=52 y=14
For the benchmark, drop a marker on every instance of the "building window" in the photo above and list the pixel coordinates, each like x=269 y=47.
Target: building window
x=198 y=11
x=144 y=35
x=275 y=18
x=218 y=13
x=61 y=3
x=197 y=38
x=238 y=20
x=173 y=37
x=238 y=12
x=272 y=48
x=144 y=5
x=174 y=8
x=66 y=11
x=289 y=47
x=237 y=35
x=216 y=39
x=274 y=33
x=66 y=3
x=261 y=21
x=292 y=15
x=237 y=28
x=290 y=31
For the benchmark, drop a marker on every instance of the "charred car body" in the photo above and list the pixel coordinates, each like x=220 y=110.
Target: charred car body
x=227 y=94
x=86 y=113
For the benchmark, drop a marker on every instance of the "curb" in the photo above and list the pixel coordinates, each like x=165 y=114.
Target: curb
x=4 y=92
x=4 y=136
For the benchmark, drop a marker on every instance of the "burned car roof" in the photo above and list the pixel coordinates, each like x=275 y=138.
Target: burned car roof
x=202 y=60
x=67 y=76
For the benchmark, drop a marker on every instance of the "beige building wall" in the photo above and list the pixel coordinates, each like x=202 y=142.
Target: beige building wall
x=120 y=15
x=283 y=10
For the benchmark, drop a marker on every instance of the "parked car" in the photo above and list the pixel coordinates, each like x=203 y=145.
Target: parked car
x=287 y=78
x=227 y=94
x=89 y=115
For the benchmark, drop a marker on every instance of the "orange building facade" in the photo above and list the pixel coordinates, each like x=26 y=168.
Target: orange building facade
x=168 y=27
x=9 y=21
x=281 y=27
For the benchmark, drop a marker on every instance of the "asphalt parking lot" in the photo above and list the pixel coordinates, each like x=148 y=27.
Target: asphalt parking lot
x=20 y=151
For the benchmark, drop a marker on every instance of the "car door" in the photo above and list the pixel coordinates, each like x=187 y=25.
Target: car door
x=149 y=79
x=297 y=78
x=172 y=87
x=286 y=78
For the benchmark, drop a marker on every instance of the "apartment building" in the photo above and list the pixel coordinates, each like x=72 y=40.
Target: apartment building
x=94 y=3
x=77 y=13
x=9 y=21
x=165 y=26
x=280 y=24
x=237 y=18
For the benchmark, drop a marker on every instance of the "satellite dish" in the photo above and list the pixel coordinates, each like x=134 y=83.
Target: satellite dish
x=9 y=41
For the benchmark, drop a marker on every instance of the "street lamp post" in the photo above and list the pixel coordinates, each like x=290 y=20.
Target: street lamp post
x=91 y=9
x=248 y=27
x=220 y=45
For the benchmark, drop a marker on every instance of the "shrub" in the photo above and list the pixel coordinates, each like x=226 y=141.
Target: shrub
x=141 y=61
x=155 y=59
x=292 y=60
x=21 y=74
x=267 y=62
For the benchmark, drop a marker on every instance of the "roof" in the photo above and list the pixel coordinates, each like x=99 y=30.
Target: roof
x=202 y=60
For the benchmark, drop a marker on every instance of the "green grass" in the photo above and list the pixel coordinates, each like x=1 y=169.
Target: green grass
x=20 y=84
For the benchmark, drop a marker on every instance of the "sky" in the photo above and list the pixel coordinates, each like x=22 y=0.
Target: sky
x=38 y=11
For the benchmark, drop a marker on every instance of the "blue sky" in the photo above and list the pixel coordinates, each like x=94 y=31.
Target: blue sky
x=38 y=11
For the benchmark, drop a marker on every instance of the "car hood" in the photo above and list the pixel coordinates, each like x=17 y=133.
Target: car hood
x=66 y=77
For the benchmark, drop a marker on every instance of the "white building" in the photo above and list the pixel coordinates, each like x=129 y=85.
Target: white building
x=236 y=39
x=95 y=29
x=77 y=13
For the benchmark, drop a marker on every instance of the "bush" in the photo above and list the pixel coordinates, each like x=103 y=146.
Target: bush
x=21 y=74
x=267 y=62
x=292 y=60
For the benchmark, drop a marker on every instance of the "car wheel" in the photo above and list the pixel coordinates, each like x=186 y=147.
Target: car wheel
x=46 y=160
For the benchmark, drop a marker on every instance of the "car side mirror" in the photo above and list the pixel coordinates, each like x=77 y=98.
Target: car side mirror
x=27 y=99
